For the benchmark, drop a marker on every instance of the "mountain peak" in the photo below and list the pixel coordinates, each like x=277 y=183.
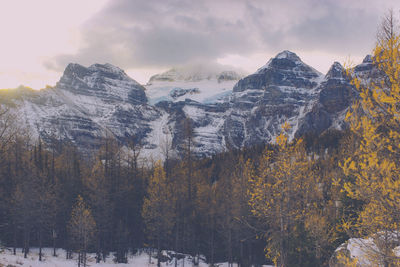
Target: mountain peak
x=367 y=59
x=288 y=55
x=366 y=66
x=104 y=81
x=107 y=67
x=107 y=70
x=75 y=69
x=335 y=71
x=287 y=61
x=96 y=71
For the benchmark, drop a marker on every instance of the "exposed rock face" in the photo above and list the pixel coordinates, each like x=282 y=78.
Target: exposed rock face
x=178 y=92
x=334 y=98
x=336 y=92
x=286 y=69
x=87 y=104
x=105 y=82
x=225 y=112
x=280 y=91
x=206 y=120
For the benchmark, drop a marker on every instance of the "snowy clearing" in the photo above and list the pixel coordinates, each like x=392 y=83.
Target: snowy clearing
x=140 y=259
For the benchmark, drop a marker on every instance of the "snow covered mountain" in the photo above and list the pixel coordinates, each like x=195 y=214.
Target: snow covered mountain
x=197 y=83
x=224 y=110
x=282 y=90
x=85 y=105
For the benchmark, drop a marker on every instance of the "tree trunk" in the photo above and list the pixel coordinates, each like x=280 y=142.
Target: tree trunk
x=212 y=242
x=54 y=243
x=40 y=245
x=318 y=251
x=15 y=240
x=230 y=248
x=84 y=258
x=54 y=247
x=158 y=251
x=240 y=263
x=197 y=254
x=149 y=255
x=282 y=256
x=26 y=242
x=176 y=243
x=250 y=262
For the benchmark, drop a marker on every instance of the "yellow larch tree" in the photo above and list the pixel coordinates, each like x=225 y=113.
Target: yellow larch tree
x=159 y=208
x=280 y=195
x=81 y=228
x=373 y=169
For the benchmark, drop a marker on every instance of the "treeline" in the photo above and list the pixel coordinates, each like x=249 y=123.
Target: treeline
x=115 y=202
x=120 y=203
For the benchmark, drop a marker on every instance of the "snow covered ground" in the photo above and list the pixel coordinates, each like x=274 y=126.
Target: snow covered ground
x=363 y=251
x=7 y=259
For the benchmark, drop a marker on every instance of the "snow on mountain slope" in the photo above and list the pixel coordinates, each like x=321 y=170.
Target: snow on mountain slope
x=204 y=91
x=280 y=91
x=286 y=59
x=198 y=83
x=208 y=123
x=89 y=103
x=159 y=140
x=105 y=82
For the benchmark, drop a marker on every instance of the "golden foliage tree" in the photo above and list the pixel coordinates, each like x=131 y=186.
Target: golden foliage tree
x=158 y=207
x=280 y=194
x=81 y=228
x=374 y=167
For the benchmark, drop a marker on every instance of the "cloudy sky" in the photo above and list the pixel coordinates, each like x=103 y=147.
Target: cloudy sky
x=39 y=38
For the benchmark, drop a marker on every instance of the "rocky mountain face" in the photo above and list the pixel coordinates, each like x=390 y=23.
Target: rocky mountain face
x=283 y=90
x=224 y=109
x=85 y=105
x=335 y=96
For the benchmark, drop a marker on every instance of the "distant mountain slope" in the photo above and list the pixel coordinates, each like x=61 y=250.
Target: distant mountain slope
x=225 y=110
x=85 y=105
x=282 y=90
x=197 y=83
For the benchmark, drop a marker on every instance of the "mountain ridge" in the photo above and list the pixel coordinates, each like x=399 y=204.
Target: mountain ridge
x=90 y=103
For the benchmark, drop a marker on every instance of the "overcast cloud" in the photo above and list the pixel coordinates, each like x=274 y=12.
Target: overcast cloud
x=136 y=34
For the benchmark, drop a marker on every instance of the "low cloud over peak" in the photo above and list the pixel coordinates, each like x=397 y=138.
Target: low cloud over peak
x=160 y=34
